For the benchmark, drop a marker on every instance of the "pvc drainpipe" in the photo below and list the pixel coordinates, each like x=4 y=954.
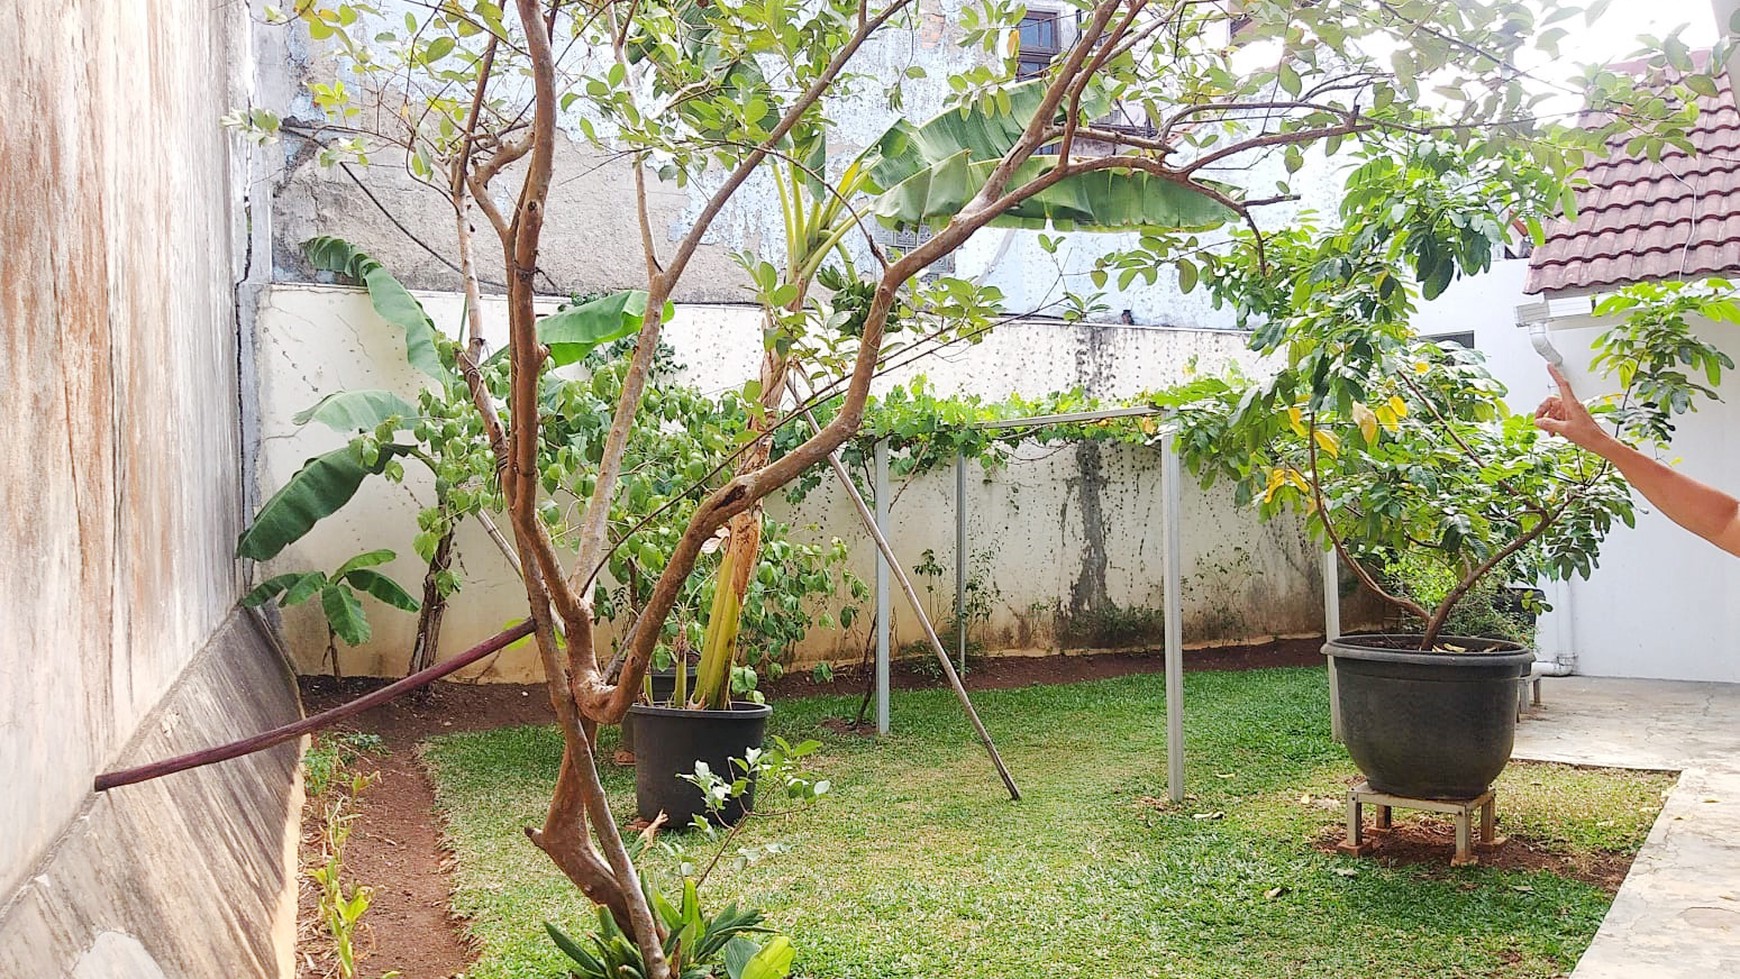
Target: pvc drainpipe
x=1564 y=661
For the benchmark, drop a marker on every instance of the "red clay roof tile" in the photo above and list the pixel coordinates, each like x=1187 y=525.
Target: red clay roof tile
x=1641 y=220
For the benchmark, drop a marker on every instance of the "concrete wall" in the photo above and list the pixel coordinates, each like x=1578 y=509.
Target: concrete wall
x=122 y=498
x=1071 y=529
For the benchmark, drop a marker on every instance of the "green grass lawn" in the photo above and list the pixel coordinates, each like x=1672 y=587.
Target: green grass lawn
x=917 y=864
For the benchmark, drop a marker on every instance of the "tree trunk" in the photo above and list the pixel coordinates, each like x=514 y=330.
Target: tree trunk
x=428 y=644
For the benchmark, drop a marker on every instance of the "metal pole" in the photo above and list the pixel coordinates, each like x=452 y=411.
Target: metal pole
x=884 y=607
x=887 y=553
x=1173 y=584
x=1332 y=631
x=961 y=557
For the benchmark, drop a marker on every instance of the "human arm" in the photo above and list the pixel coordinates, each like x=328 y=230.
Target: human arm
x=1703 y=510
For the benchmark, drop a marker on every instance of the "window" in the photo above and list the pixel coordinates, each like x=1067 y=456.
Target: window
x=896 y=243
x=1041 y=33
x=1464 y=340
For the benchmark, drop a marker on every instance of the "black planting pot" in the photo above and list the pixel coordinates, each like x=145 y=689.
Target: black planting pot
x=1420 y=725
x=664 y=687
x=672 y=739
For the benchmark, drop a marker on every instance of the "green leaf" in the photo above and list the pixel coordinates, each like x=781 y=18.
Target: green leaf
x=1289 y=77
x=574 y=950
x=930 y=171
x=1100 y=200
x=357 y=411
x=367 y=559
x=271 y=588
x=319 y=488
x=1186 y=275
x=576 y=331
x=738 y=953
x=303 y=590
x=772 y=962
x=391 y=299
x=383 y=588
x=345 y=614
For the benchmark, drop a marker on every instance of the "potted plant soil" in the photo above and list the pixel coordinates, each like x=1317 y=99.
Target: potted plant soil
x=1400 y=453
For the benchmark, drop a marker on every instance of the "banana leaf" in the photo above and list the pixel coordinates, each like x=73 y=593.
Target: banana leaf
x=924 y=174
x=1099 y=200
x=358 y=411
x=391 y=299
x=323 y=484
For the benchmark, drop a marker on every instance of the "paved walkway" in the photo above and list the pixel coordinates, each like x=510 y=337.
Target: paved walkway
x=1678 y=912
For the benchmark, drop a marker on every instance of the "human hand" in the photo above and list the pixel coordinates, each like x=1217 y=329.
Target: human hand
x=1563 y=414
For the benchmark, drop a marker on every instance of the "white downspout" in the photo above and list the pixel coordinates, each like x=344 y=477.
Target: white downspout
x=1564 y=654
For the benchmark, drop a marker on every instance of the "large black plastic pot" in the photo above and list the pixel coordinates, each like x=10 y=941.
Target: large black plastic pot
x=664 y=687
x=1437 y=725
x=672 y=739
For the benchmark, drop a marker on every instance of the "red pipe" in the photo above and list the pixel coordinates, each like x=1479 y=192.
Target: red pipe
x=279 y=735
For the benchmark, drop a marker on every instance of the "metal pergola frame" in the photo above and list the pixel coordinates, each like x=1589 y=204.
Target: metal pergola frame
x=1172 y=585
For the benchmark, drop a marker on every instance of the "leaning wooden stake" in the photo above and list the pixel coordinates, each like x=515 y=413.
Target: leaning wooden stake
x=279 y=735
x=948 y=666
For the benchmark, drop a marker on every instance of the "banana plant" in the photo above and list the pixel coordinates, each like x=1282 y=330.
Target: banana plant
x=913 y=175
x=442 y=430
x=339 y=594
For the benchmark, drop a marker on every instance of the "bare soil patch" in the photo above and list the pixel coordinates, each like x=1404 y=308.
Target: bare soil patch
x=1006 y=672
x=1430 y=841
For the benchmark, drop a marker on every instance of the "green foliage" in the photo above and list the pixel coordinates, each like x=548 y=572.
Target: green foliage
x=701 y=946
x=930 y=171
x=679 y=449
x=394 y=303
x=1110 y=627
x=1487 y=610
x=331 y=754
x=1387 y=443
x=1654 y=355
x=338 y=594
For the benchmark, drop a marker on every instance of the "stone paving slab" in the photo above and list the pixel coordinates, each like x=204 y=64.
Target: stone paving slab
x=1677 y=915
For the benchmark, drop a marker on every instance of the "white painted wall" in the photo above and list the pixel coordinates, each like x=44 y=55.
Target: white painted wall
x=317 y=339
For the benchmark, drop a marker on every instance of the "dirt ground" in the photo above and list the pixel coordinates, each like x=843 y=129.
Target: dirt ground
x=395 y=843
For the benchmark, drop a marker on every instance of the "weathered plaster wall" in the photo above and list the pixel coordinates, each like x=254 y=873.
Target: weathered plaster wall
x=1072 y=530
x=121 y=488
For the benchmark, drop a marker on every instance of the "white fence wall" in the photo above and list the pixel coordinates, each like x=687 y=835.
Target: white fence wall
x=1072 y=529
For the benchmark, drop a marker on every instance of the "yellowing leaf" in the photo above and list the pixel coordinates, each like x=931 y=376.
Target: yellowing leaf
x=1421 y=367
x=1276 y=480
x=1398 y=406
x=1296 y=418
x=1293 y=476
x=1330 y=445
x=1367 y=421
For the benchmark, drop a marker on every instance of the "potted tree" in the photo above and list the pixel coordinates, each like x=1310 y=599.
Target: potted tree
x=1400 y=452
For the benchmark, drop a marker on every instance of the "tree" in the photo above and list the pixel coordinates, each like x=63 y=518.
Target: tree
x=709 y=94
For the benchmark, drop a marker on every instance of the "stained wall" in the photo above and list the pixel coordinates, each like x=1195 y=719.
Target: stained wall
x=121 y=492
